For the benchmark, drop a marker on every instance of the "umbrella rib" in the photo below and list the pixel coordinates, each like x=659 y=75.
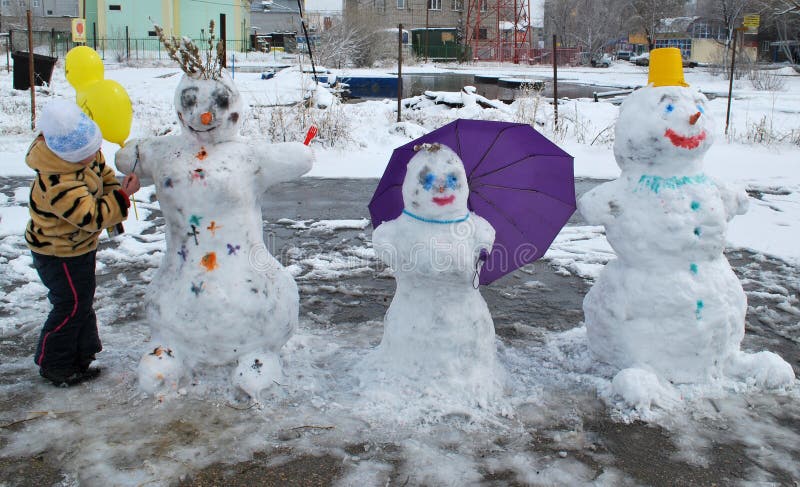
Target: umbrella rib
x=530 y=190
x=499 y=211
x=483 y=157
x=527 y=156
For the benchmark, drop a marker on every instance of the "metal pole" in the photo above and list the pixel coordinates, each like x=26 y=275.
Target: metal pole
x=399 y=69
x=8 y=52
x=94 y=35
x=30 y=70
x=308 y=40
x=223 y=38
x=427 y=35
x=730 y=84
x=515 y=57
x=127 y=44
x=555 y=84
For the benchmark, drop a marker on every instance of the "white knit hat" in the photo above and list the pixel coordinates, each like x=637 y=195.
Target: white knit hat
x=68 y=132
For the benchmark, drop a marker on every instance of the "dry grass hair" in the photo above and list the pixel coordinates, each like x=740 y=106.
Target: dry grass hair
x=186 y=53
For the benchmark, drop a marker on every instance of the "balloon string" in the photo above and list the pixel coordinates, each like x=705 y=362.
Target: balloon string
x=133 y=200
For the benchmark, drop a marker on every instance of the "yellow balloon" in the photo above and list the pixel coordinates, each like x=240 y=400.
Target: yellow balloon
x=83 y=67
x=107 y=103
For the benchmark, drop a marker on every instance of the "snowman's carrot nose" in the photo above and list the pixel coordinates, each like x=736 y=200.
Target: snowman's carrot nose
x=205 y=118
x=693 y=118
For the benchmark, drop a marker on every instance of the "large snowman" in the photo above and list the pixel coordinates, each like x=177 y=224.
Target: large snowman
x=669 y=307
x=219 y=297
x=438 y=331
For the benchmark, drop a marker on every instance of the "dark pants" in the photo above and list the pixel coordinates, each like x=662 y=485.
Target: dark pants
x=69 y=336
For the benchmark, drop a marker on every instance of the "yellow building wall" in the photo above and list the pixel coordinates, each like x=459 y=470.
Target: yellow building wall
x=711 y=51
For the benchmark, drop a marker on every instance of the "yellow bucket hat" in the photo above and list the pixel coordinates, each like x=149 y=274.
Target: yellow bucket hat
x=666 y=67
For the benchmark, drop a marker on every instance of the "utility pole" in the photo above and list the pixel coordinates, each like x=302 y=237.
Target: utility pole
x=30 y=70
x=427 y=35
x=730 y=84
x=555 y=84
x=399 y=70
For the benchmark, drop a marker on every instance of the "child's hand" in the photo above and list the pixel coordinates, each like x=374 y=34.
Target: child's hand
x=131 y=184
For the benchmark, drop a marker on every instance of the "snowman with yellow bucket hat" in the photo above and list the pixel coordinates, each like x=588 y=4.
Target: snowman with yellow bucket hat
x=669 y=310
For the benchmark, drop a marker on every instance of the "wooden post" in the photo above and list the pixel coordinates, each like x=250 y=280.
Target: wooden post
x=555 y=84
x=31 y=77
x=730 y=84
x=223 y=38
x=399 y=70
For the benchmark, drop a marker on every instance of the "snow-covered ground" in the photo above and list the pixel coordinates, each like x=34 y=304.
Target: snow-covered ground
x=542 y=433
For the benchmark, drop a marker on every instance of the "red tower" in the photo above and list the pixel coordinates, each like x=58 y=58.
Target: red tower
x=498 y=30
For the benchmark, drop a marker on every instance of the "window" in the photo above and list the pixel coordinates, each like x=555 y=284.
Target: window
x=434 y=4
x=6 y=3
x=401 y=4
x=37 y=3
x=115 y=7
x=484 y=5
x=481 y=33
x=685 y=45
x=152 y=33
x=458 y=5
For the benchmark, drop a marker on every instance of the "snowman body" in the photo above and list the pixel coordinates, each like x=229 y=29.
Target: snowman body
x=219 y=296
x=670 y=303
x=438 y=330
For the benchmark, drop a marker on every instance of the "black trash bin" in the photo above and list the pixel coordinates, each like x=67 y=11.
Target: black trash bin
x=42 y=69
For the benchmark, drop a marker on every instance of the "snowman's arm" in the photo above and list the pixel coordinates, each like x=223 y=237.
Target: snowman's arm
x=599 y=206
x=734 y=197
x=384 y=243
x=484 y=233
x=276 y=163
x=127 y=157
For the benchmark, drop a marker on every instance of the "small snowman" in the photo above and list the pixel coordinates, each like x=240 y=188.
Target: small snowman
x=219 y=297
x=669 y=308
x=438 y=331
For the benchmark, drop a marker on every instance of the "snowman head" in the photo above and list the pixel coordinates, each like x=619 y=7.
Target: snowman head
x=435 y=186
x=664 y=127
x=209 y=109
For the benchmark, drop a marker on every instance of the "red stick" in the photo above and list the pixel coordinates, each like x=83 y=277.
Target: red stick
x=312 y=132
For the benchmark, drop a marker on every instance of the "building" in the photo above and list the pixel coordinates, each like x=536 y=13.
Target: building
x=267 y=16
x=701 y=40
x=502 y=30
x=47 y=14
x=111 y=19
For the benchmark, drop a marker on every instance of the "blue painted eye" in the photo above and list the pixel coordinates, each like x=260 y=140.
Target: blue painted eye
x=700 y=109
x=451 y=181
x=669 y=108
x=429 y=179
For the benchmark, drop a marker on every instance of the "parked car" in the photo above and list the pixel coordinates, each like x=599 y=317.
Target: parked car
x=596 y=61
x=642 y=59
x=624 y=55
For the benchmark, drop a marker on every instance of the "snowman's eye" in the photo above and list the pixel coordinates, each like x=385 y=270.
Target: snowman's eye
x=669 y=108
x=189 y=98
x=427 y=179
x=452 y=180
x=700 y=108
x=221 y=98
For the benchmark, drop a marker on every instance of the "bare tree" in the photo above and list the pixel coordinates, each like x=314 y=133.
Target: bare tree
x=726 y=13
x=358 y=40
x=588 y=30
x=783 y=17
x=646 y=15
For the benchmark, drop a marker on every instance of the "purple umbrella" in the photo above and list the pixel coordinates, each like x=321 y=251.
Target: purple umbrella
x=519 y=181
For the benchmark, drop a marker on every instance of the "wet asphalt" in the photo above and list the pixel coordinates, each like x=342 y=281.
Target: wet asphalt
x=643 y=452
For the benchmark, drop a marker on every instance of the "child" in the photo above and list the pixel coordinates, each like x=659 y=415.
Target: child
x=73 y=198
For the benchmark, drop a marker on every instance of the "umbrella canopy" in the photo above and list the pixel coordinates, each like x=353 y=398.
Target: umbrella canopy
x=519 y=181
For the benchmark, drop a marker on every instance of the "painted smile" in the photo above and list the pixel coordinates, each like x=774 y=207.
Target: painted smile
x=201 y=131
x=686 y=142
x=444 y=201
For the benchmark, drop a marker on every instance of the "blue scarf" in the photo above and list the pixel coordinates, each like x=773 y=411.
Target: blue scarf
x=431 y=220
x=657 y=183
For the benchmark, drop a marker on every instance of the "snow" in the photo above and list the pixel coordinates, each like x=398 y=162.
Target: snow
x=111 y=433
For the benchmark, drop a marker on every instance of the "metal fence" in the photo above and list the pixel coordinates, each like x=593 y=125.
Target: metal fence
x=57 y=44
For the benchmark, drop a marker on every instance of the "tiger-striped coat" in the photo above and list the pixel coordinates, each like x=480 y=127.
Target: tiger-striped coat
x=70 y=203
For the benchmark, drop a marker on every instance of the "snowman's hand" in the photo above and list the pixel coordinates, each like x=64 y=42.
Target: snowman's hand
x=735 y=199
x=286 y=161
x=598 y=206
x=384 y=244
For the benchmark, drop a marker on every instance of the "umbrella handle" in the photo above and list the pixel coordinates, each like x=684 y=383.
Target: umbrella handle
x=476 y=281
